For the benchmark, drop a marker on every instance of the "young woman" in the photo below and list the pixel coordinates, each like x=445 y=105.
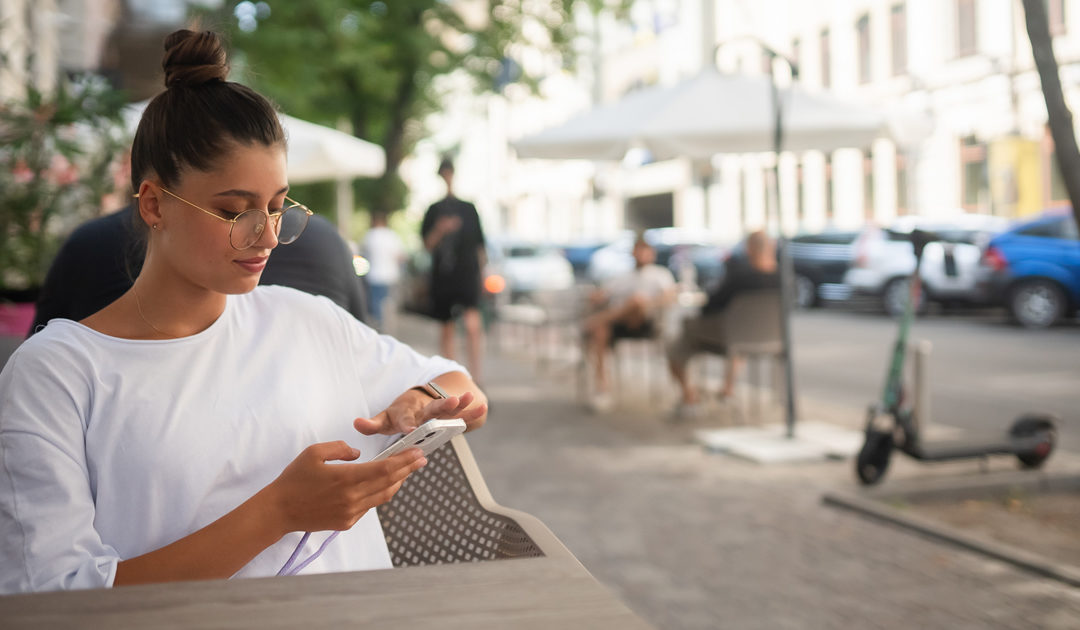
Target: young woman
x=187 y=430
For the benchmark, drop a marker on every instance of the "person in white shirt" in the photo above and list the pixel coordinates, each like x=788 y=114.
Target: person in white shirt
x=198 y=426
x=384 y=251
x=628 y=305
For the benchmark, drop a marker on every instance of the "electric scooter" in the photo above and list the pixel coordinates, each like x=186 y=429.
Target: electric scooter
x=892 y=422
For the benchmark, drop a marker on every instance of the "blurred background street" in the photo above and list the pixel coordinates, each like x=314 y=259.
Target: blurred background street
x=697 y=540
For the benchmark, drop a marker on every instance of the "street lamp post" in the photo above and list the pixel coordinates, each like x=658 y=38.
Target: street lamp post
x=786 y=269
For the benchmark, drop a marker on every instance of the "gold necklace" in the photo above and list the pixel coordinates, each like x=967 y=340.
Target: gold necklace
x=138 y=305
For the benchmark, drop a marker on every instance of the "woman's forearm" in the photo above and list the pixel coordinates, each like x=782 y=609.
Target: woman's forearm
x=457 y=383
x=216 y=551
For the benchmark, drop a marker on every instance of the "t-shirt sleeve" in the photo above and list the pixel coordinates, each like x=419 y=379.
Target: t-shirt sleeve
x=384 y=366
x=47 y=536
x=428 y=222
x=479 y=227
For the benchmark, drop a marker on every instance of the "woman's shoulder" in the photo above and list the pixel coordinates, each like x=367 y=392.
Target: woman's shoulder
x=56 y=347
x=285 y=303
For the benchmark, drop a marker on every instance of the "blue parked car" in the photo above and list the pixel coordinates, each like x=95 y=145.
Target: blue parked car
x=1033 y=269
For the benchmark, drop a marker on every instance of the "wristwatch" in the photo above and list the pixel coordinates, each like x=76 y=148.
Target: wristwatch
x=433 y=390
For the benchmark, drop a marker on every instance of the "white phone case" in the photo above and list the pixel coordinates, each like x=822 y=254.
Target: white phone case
x=427 y=437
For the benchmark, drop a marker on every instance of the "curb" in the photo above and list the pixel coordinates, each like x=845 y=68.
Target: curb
x=872 y=504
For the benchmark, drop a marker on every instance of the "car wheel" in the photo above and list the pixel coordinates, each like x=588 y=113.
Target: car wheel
x=805 y=292
x=1037 y=303
x=895 y=297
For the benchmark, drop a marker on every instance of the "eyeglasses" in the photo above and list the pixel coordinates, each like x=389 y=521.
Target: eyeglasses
x=248 y=226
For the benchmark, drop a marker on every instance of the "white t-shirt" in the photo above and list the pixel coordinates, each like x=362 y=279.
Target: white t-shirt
x=649 y=281
x=384 y=251
x=111 y=448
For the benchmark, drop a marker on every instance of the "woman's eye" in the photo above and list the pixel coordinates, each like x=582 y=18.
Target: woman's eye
x=228 y=214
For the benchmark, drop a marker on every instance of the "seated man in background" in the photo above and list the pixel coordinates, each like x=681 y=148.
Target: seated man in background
x=754 y=271
x=629 y=306
x=99 y=261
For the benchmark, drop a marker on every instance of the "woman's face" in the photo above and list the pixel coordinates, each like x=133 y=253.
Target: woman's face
x=196 y=245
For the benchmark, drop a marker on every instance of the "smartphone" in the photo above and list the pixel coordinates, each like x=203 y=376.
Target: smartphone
x=427 y=437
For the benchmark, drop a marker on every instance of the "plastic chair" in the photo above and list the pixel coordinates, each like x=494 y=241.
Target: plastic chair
x=750 y=328
x=444 y=513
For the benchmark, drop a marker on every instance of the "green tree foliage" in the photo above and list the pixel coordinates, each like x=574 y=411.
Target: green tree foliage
x=376 y=63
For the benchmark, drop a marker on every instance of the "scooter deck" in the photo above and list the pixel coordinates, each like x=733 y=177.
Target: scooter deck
x=979 y=447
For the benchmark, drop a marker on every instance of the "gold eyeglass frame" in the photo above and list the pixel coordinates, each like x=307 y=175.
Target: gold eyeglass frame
x=270 y=216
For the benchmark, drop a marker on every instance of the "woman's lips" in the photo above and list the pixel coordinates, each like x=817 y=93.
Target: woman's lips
x=253 y=265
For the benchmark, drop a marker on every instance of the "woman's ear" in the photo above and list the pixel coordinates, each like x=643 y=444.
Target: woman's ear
x=149 y=206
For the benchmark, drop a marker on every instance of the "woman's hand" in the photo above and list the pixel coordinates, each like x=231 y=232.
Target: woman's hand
x=312 y=495
x=414 y=408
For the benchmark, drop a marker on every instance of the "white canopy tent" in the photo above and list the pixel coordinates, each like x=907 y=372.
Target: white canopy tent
x=707 y=114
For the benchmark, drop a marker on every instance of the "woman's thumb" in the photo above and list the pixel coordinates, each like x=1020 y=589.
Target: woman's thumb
x=339 y=450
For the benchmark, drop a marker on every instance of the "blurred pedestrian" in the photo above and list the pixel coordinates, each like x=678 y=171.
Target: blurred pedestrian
x=196 y=427
x=384 y=251
x=627 y=306
x=452 y=233
x=755 y=271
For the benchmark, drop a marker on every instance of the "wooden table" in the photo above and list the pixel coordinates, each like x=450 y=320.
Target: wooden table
x=521 y=594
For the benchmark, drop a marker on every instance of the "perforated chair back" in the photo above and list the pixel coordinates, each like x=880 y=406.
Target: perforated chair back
x=444 y=513
x=752 y=323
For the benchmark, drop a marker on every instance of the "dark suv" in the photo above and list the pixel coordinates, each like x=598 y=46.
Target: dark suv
x=820 y=262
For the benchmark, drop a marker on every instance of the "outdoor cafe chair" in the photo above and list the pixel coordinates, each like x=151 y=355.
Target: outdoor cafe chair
x=750 y=328
x=444 y=513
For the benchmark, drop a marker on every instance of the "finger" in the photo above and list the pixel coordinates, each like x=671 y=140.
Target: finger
x=372 y=476
x=372 y=426
x=474 y=413
x=332 y=451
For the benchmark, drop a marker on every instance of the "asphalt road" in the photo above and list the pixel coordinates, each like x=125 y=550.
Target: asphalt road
x=983 y=372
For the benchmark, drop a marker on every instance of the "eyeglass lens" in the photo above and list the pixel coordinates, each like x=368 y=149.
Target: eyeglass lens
x=249 y=227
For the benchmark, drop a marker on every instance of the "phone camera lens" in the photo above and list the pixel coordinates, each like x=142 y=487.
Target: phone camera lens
x=429 y=435
x=419 y=442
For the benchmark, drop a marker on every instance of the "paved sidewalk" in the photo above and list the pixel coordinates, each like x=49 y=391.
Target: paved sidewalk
x=695 y=540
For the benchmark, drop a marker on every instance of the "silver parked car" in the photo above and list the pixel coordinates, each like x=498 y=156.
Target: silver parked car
x=884 y=259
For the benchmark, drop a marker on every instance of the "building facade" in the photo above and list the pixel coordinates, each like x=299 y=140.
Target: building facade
x=955 y=78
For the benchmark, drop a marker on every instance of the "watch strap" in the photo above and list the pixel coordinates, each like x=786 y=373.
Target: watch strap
x=432 y=389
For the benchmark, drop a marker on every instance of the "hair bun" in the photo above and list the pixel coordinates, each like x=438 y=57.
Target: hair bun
x=194 y=58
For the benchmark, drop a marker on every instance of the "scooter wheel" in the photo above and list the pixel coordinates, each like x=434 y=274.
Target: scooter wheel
x=1030 y=425
x=873 y=458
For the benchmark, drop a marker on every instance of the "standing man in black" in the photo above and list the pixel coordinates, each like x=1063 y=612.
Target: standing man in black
x=452 y=233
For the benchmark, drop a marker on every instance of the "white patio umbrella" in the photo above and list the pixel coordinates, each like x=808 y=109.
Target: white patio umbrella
x=714 y=113
x=316 y=153
x=707 y=114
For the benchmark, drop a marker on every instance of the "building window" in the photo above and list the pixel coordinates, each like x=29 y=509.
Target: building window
x=1055 y=14
x=966 y=39
x=901 y=186
x=799 y=192
x=898 y=27
x=868 y=187
x=828 y=190
x=825 y=59
x=862 y=29
x=973 y=166
x=1054 y=191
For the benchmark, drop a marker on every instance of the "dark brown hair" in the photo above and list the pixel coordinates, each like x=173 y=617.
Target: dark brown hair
x=200 y=115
